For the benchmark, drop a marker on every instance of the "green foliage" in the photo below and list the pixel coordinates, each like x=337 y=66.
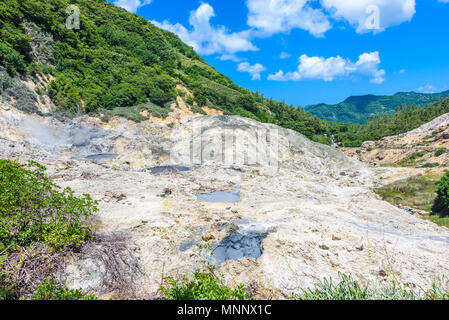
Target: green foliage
x=35 y=210
x=51 y=290
x=350 y=289
x=412 y=159
x=404 y=119
x=205 y=285
x=418 y=192
x=118 y=60
x=440 y=152
x=443 y=190
x=360 y=109
x=415 y=192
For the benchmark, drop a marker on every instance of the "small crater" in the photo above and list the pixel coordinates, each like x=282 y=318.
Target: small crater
x=102 y=156
x=220 y=196
x=168 y=169
x=237 y=246
x=186 y=245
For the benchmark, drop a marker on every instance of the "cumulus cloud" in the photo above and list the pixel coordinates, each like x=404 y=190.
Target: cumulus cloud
x=208 y=39
x=284 y=55
x=371 y=15
x=274 y=16
x=428 y=88
x=330 y=69
x=316 y=17
x=253 y=70
x=131 y=5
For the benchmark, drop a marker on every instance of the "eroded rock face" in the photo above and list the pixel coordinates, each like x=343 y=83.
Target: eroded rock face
x=313 y=205
x=430 y=139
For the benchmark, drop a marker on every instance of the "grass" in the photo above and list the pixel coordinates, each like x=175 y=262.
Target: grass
x=418 y=192
x=442 y=221
x=412 y=160
x=350 y=289
x=206 y=285
x=440 y=152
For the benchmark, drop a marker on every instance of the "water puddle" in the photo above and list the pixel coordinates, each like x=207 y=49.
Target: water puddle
x=237 y=246
x=220 y=196
x=102 y=156
x=186 y=245
x=168 y=169
x=241 y=221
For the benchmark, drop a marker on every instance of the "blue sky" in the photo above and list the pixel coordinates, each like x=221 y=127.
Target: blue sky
x=312 y=51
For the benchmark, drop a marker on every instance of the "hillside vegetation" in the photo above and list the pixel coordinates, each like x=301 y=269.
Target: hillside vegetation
x=120 y=60
x=404 y=119
x=118 y=63
x=360 y=109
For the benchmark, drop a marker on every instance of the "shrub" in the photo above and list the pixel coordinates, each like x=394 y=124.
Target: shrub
x=51 y=290
x=35 y=210
x=205 y=285
x=439 y=152
x=430 y=165
x=443 y=190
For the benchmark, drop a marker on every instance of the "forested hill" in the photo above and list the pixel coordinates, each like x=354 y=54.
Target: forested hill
x=358 y=109
x=119 y=60
x=405 y=118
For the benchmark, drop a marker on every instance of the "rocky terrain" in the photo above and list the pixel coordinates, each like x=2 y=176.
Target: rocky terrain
x=429 y=143
x=270 y=208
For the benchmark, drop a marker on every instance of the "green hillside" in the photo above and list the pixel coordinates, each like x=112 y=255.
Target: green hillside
x=118 y=61
x=404 y=119
x=359 y=109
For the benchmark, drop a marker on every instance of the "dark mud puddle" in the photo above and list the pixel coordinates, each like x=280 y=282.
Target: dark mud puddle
x=237 y=246
x=168 y=169
x=102 y=156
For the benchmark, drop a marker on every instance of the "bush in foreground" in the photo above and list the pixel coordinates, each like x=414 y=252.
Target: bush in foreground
x=205 y=285
x=35 y=210
x=39 y=221
x=51 y=290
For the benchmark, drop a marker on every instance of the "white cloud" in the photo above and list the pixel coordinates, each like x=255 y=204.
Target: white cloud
x=274 y=16
x=131 y=5
x=329 y=69
x=428 y=88
x=316 y=16
x=284 y=55
x=253 y=70
x=208 y=39
x=371 y=15
x=230 y=57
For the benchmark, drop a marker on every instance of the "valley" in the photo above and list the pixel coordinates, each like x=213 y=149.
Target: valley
x=315 y=216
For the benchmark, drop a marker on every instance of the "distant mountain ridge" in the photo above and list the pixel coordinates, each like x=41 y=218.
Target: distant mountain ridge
x=359 y=109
